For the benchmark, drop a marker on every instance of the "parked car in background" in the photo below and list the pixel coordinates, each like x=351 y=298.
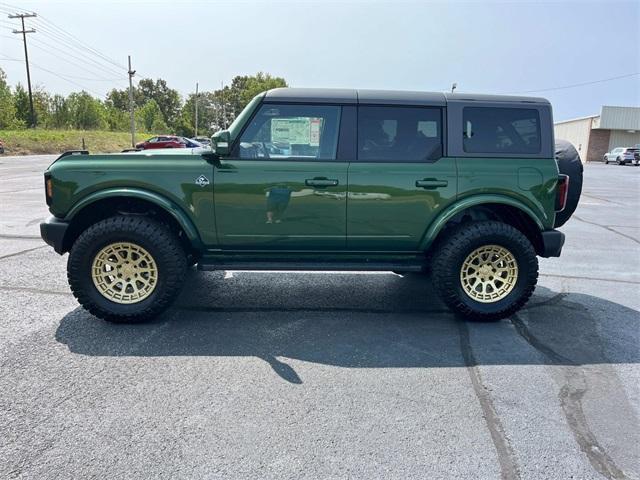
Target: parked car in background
x=622 y=156
x=191 y=143
x=1 y=147
x=162 y=141
x=205 y=141
x=636 y=154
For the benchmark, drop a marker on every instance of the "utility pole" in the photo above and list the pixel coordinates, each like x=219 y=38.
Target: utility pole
x=196 y=110
x=24 y=31
x=133 y=122
x=224 y=109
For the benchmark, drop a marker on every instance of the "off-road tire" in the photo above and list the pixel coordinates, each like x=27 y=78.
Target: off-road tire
x=453 y=249
x=155 y=238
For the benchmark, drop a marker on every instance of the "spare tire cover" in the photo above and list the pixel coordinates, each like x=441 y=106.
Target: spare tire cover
x=569 y=164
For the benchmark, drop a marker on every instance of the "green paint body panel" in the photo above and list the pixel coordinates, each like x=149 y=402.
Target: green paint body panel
x=167 y=180
x=266 y=206
x=385 y=208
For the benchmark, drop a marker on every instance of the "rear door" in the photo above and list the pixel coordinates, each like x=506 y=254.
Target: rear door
x=400 y=179
x=283 y=187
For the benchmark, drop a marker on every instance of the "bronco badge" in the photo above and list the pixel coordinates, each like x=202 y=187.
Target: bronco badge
x=202 y=181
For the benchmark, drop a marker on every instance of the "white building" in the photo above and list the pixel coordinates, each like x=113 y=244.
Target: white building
x=598 y=134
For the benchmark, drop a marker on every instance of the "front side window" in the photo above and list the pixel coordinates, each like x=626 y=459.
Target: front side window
x=501 y=130
x=399 y=134
x=307 y=132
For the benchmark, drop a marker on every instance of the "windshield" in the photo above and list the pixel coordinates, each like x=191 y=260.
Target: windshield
x=234 y=128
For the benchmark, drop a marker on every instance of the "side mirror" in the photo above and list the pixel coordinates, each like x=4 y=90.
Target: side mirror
x=221 y=143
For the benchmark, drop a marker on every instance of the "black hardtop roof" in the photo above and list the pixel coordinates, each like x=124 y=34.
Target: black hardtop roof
x=386 y=97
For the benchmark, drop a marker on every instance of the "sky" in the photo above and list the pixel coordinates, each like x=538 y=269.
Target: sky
x=518 y=47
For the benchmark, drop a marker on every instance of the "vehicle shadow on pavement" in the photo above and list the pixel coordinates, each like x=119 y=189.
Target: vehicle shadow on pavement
x=359 y=321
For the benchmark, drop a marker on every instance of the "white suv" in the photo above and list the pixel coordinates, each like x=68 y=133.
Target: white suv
x=622 y=156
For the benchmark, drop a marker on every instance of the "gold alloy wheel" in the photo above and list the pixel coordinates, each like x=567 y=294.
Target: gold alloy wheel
x=124 y=273
x=489 y=273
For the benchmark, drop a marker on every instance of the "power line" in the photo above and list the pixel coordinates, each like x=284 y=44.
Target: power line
x=68 y=40
x=62 y=42
x=99 y=76
x=62 y=77
x=83 y=44
x=577 y=84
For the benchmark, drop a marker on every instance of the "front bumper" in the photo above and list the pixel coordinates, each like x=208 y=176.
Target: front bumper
x=552 y=242
x=53 y=231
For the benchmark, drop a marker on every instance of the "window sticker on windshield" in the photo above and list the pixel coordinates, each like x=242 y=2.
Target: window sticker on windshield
x=314 y=132
x=290 y=130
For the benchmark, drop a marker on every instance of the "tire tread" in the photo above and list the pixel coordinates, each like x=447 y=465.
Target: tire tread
x=162 y=238
x=456 y=240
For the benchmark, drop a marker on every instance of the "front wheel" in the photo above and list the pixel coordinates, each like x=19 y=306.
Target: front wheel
x=126 y=268
x=485 y=270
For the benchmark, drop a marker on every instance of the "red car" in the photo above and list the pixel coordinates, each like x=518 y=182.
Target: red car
x=167 y=141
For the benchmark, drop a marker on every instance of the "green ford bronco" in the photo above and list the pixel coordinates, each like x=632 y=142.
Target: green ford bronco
x=467 y=187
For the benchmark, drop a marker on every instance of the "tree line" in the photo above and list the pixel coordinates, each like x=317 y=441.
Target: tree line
x=158 y=108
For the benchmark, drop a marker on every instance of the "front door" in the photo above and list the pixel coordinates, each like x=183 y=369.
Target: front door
x=400 y=180
x=282 y=187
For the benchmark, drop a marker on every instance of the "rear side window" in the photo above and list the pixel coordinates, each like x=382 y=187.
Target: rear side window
x=501 y=130
x=398 y=134
x=306 y=132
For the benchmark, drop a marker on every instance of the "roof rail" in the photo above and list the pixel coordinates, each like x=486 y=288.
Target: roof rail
x=73 y=152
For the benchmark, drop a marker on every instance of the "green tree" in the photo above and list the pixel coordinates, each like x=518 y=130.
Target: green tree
x=41 y=106
x=7 y=107
x=118 y=99
x=149 y=118
x=230 y=100
x=244 y=88
x=86 y=112
x=167 y=99
x=206 y=115
x=117 y=120
x=21 y=103
x=59 y=114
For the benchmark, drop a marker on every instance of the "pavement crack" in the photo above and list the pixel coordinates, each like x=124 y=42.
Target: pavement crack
x=595 y=279
x=20 y=237
x=557 y=298
x=607 y=228
x=607 y=200
x=22 y=252
x=33 y=290
x=506 y=457
x=571 y=394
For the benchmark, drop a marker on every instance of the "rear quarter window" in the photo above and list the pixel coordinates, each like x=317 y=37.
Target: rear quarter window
x=501 y=130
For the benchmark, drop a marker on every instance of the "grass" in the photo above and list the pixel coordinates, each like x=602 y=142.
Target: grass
x=29 y=142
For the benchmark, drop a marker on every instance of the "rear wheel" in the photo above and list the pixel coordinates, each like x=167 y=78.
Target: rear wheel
x=485 y=270
x=619 y=161
x=126 y=268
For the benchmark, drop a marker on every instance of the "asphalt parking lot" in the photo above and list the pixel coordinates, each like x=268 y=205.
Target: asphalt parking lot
x=325 y=375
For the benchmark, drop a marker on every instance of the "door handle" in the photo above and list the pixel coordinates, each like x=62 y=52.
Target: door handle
x=430 y=183
x=320 y=182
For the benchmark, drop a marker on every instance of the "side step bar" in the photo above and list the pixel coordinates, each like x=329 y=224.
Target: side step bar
x=313 y=266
